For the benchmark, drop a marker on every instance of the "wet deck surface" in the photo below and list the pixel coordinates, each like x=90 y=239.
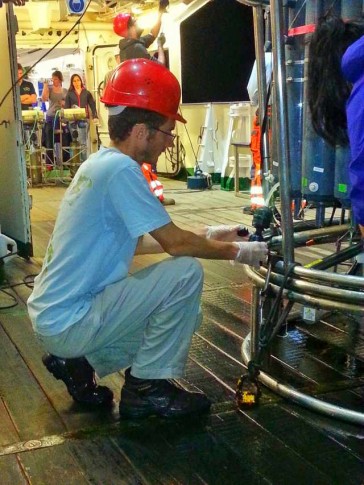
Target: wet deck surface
x=45 y=438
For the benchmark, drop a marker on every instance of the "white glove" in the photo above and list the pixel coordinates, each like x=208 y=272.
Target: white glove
x=251 y=253
x=224 y=233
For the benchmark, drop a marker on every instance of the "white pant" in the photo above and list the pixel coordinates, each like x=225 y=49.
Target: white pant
x=146 y=320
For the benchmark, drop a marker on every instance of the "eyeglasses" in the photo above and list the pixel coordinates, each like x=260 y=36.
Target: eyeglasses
x=172 y=135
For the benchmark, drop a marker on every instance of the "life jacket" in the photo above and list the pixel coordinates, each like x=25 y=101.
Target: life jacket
x=155 y=186
x=256 y=190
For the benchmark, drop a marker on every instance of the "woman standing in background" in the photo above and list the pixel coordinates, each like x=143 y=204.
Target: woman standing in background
x=56 y=96
x=78 y=95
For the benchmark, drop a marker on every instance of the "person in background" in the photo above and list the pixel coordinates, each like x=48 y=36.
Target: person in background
x=117 y=62
x=78 y=95
x=28 y=96
x=256 y=189
x=252 y=86
x=89 y=313
x=18 y=3
x=55 y=94
x=336 y=95
x=134 y=45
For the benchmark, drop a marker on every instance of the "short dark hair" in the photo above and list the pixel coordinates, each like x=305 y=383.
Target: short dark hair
x=120 y=125
x=20 y=66
x=132 y=21
x=58 y=74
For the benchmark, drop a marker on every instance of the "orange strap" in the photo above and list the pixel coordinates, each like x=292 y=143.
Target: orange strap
x=302 y=30
x=255 y=138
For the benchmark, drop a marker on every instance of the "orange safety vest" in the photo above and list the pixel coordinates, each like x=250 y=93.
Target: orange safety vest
x=256 y=190
x=155 y=186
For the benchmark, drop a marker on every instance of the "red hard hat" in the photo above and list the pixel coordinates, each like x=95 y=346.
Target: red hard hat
x=121 y=23
x=145 y=84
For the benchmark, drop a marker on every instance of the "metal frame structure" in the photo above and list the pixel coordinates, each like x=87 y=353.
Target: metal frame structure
x=314 y=286
x=36 y=154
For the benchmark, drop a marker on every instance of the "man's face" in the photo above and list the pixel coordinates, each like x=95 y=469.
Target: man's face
x=139 y=30
x=56 y=81
x=20 y=73
x=135 y=31
x=158 y=140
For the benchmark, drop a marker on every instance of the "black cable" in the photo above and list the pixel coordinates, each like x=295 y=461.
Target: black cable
x=177 y=160
x=29 y=284
x=12 y=305
x=264 y=340
x=45 y=55
x=7 y=256
x=25 y=282
x=189 y=138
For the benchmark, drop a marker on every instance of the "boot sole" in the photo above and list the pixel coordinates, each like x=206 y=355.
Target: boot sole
x=134 y=412
x=174 y=415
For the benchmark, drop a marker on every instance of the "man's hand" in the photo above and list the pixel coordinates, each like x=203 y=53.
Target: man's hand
x=225 y=233
x=161 y=40
x=163 y=5
x=17 y=3
x=251 y=253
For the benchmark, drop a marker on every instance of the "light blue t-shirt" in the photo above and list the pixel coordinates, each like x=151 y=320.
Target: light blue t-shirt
x=106 y=208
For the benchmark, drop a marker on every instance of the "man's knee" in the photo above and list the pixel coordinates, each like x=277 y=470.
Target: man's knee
x=191 y=268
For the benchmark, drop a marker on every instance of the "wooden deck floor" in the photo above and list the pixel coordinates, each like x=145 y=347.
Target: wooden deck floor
x=45 y=438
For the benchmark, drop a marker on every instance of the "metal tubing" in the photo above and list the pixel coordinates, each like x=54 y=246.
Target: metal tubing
x=338 y=258
x=333 y=278
x=320 y=214
x=309 y=402
x=307 y=300
x=279 y=70
x=307 y=291
x=255 y=322
x=252 y=3
x=301 y=238
x=317 y=276
x=314 y=289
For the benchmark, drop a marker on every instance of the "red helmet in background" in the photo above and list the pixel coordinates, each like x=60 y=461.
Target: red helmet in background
x=121 y=24
x=145 y=84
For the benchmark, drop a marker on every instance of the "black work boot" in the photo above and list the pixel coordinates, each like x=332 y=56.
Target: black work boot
x=159 y=397
x=79 y=377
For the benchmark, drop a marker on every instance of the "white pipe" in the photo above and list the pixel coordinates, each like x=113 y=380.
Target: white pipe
x=303 y=399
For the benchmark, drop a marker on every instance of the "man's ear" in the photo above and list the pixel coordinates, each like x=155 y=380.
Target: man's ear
x=140 y=130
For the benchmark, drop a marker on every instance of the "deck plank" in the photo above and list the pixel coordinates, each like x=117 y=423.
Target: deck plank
x=8 y=432
x=275 y=443
x=11 y=472
x=51 y=392
x=28 y=406
x=53 y=466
